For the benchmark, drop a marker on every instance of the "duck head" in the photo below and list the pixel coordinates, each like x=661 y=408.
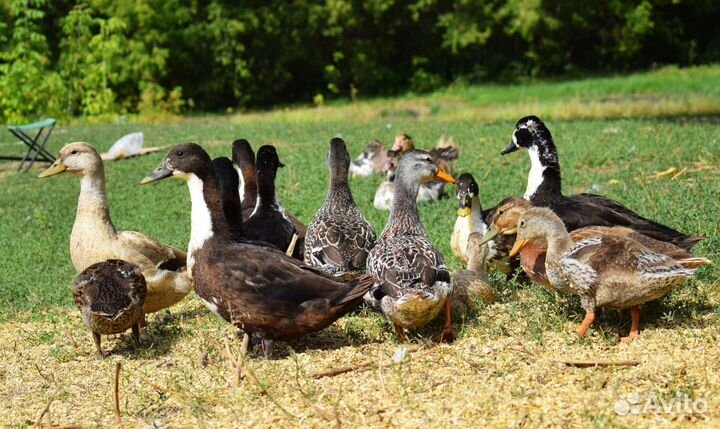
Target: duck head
x=419 y=167
x=403 y=143
x=242 y=155
x=504 y=219
x=76 y=158
x=338 y=158
x=467 y=189
x=536 y=223
x=267 y=161
x=182 y=162
x=529 y=131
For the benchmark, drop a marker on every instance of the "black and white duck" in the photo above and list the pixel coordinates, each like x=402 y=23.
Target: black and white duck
x=110 y=295
x=604 y=271
x=413 y=281
x=576 y=211
x=371 y=161
x=269 y=221
x=243 y=159
x=258 y=289
x=228 y=182
x=339 y=238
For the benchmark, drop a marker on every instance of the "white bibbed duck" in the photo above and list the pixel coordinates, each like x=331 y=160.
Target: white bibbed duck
x=470 y=218
x=577 y=211
x=256 y=288
x=339 y=238
x=413 y=281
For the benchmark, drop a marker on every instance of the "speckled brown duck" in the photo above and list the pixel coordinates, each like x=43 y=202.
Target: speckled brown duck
x=544 y=190
x=258 y=289
x=110 y=295
x=608 y=271
x=339 y=238
x=413 y=281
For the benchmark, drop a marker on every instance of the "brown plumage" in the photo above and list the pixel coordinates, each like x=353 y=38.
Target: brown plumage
x=110 y=295
x=258 y=289
x=372 y=160
x=339 y=238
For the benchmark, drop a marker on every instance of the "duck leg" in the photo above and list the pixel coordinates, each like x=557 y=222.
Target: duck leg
x=448 y=333
x=267 y=346
x=589 y=319
x=400 y=333
x=634 y=325
x=136 y=333
x=99 y=353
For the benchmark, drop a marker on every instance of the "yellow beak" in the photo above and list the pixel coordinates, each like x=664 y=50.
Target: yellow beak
x=57 y=168
x=441 y=175
x=519 y=244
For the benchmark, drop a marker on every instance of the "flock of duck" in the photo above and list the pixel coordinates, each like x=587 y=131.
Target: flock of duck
x=258 y=267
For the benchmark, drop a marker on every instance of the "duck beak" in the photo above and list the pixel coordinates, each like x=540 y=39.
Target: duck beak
x=161 y=172
x=444 y=177
x=512 y=147
x=57 y=168
x=464 y=205
x=519 y=244
x=492 y=232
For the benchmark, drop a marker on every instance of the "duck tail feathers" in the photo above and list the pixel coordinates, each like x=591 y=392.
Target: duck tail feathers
x=693 y=263
x=355 y=290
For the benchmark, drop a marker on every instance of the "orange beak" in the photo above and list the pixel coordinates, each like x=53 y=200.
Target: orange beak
x=519 y=244
x=441 y=175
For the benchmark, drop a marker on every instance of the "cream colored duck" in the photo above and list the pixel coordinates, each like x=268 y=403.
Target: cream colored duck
x=612 y=272
x=339 y=238
x=470 y=217
x=95 y=239
x=110 y=295
x=413 y=284
x=472 y=284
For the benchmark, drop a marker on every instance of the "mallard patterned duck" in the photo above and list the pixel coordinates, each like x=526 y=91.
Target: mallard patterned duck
x=110 y=295
x=269 y=221
x=577 y=211
x=413 y=281
x=609 y=271
x=339 y=238
x=258 y=289
x=471 y=284
x=95 y=239
x=371 y=161
x=383 y=200
x=532 y=256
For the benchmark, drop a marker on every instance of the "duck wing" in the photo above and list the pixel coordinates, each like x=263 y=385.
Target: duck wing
x=582 y=210
x=157 y=254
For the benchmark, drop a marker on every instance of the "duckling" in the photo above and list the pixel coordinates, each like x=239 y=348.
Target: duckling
x=471 y=284
x=471 y=217
x=95 y=239
x=339 y=237
x=371 y=160
x=608 y=271
x=260 y=290
x=413 y=281
x=544 y=190
x=110 y=296
x=532 y=256
x=269 y=222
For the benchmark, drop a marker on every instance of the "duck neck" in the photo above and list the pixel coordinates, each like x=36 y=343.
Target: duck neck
x=248 y=183
x=404 y=217
x=544 y=183
x=92 y=210
x=477 y=223
x=339 y=198
x=559 y=242
x=266 y=197
x=207 y=219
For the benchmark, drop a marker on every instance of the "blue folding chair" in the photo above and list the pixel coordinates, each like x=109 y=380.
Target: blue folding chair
x=36 y=145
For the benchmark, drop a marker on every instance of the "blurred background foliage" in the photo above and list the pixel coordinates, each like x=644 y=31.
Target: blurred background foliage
x=102 y=58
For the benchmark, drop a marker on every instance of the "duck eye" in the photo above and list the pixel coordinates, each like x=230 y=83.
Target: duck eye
x=179 y=153
x=73 y=152
x=522 y=223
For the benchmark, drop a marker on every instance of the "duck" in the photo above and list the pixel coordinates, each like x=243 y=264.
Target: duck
x=413 y=284
x=269 y=221
x=470 y=216
x=110 y=295
x=94 y=237
x=544 y=190
x=243 y=159
x=472 y=284
x=339 y=238
x=444 y=152
x=258 y=289
x=605 y=272
x=371 y=161
x=383 y=199
x=228 y=184
x=532 y=256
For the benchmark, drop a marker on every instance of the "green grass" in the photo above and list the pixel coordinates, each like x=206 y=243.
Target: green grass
x=508 y=352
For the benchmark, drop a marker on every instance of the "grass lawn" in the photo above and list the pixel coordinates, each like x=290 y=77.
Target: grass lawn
x=506 y=370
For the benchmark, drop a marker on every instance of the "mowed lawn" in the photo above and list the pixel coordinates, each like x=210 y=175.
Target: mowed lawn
x=508 y=369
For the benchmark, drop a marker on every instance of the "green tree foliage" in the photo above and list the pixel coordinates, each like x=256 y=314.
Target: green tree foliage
x=106 y=57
